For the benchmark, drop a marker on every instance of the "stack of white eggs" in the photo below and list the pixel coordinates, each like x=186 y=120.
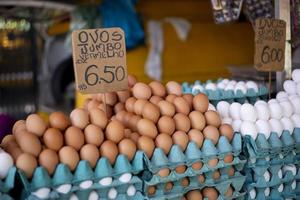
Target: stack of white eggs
x=276 y=115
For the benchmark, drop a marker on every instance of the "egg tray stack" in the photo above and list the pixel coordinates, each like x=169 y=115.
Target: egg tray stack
x=215 y=96
x=272 y=155
x=7 y=184
x=85 y=182
x=189 y=179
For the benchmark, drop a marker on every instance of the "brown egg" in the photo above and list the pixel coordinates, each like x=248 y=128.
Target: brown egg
x=166 y=108
x=19 y=126
x=210 y=193
x=174 y=88
x=141 y=91
x=90 y=153
x=230 y=171
x=181 y=139
x=166 y=124
x=49 y=160
x=139 y=105
x=15 y=153
x=196 y=136
x=200 y=102
x=155 y=99
x=146 y=144
x=29 y=143
x=182 y=122
x=127 y=119
x=92 y=104
x=129 y=104
x=59 y=120
x=79 y=118
x=133 y=122
x=86 y=103
x=168 y=186
x=93 y=135
x=118 y=107
x=53 y=139
x=213 y=162
x=128 y=148
x=228 y=158
x=107 y=109
x=157 y=88
x=123 y=95
x=180 y=169
x=151 y=112
x=164 y=172
x=197 y=120
x=201 y=178
x=170 y=98
x=194 y=195
x=6 y=140
x=35 y=124
x=109 y=150
x=69 y=156
x=98 y=97
x=27 y=163
x=74 y=137
x=131 y=80
x=164 y=141
x=212 y=118
x=110 y=98
x=98 y=118
x=197 y=165
x=147 y=127
x=229 y=192
x=189 y=99
x=212 y=133
x=181 y=105
x=185 y=182
x=134 y=137
x=151 y=190
x=121 y=115
x=227 y=131
x=216 y=175
x=10 y=146
x=114 y=131
x=183 y=198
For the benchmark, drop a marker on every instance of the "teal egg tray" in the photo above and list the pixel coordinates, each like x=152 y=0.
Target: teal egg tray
x=7 y=184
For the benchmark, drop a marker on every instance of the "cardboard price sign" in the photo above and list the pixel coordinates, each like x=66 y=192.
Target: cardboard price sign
x=99 y=58
x=270 y=38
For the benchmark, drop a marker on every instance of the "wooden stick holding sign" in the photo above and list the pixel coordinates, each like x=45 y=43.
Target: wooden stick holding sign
x=99 y=59
x=270 y=36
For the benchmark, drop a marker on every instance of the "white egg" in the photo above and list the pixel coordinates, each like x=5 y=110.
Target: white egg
x=293 y=96
x=211 y=107
x=276 y=126
x=86 y=184
x=263 y=126
x=223 y=108
x=93 y=196
x=210 y=86
x=248 y=113
x=287 y=108
x=262 y=111
x=296 y=75
x=298 y=88
x=6 y=163
x=291 y=167
x=252 y=85
x=296 y=104
x=227 y=120
x=296 y=120
x=112 y=193
x=294 y=184
x=249 y=128
x=261 y=102
x=74 y=197
x=279 y=174
x=221 y=85
x=240 y=87
x=64 y=188
x=290 y=87
x=105 y=181
x=267 y=176
x=225 y=81
x=234 y=110
x=236 y=125
x=267 y=192
x=131 y=190
x=229 y=87
x=42 y=193
x=287 y=124
x=275 y=110
x=232 y=82
x=125 y=178
x=282 y=95
x=252 y=193
x=197 y=88
x=280 y=188
x=272 y=101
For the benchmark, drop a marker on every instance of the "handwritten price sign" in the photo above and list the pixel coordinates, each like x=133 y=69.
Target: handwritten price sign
x=99 y=57
x=269 y=44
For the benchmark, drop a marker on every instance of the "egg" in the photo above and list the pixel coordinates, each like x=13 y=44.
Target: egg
x=146 y=144
x=290 y=87
x=121 y=115
x=282 y=95
x=185 y=182
x=228 y=158
x=287 y=124
x=263 y=127
x=93 y=135
x=90 y=104
x=6 y=140
x=139 y=105
x=90 y=153
x=197 y=88
x=181 y=139
x=296 y=120
x=249 y=128
x=53 y=139
x=123 y=95
x=59 y=120
x=157 y=88
x=114 y=131
x=151 y=190
x=197 y=165
x=166 y=108
x=6 y=163
x=248 y=112
x=19 y=126
x=212 y=118
x=196 y=136
x=221 y=85
x=227 y=131
x=181 y=105
x=189 y=99
x=35 y=124
x=151 y=112
x=210 y=193
x=252 y=85
x=164 y=141
x=216 y=175
x=211 y=86
x=298 y=89
x=109 y=150
x=128 y=148
x=201 y=178
x=275 y=110
x=164 y=172
x=263 y=112
x=134 y=137
x=141 y=91
x=68 y=156
x=131 y=80
x=271 y=101
x=112 y=193
x=230 y=171
x=211 y=107
x=296 y=102
x=241 y=88
x=74 y=137
x=197 y=120
x=131 y=191
x=147 y=128
x=29 y=143
x=166 y=124
x=261 y=102
x=236 y=125
x=155 y=99
x=194 y=195
x=129 y=104
x=133 y=122
x=227 y=121
x=180 y=169
x=229 y=87
x=79 y=118
x=168 y=186
x=296 y=75
x=118 y=107
x=213 y=162
x=49 y=160
x=223 y=109
x=182 y=122
x=174 y=88
x=27 y=163
x=229 y=192
x=276 y=126
x=211 y=133
x=200 y=102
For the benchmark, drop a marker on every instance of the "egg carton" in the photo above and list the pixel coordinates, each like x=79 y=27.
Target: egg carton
x=177 y=190
x=102 y=179
x=7 y=184
x=192 y=154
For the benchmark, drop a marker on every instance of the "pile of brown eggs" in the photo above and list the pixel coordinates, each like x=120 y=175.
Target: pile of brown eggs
x=207 y=192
